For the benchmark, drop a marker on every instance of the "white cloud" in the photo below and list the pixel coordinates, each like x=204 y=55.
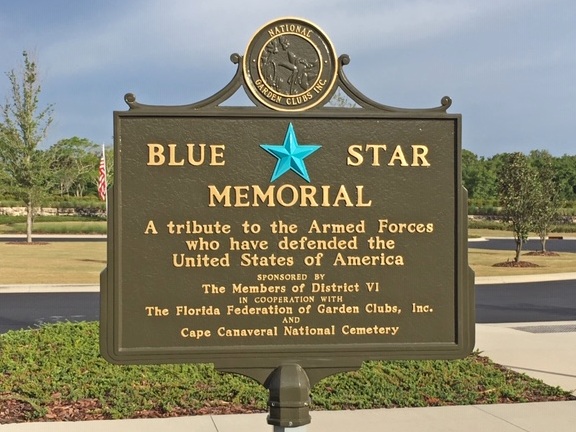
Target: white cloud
x=140 y=33
x=404 y=52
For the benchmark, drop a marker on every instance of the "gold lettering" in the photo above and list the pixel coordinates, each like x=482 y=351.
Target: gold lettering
x=274 y=97
x=320 y=85
x=421 y=308
x=419 y=153
x=309 y=331
x=299 y=100
x=217 y=155
x=259 y=310
x=218 y=197
x=246 y=332
x=262 y=196
x=321 y=287
x=376 y=152
x=404 y=227
x=325 y=196
x=307 y=197
x=332 y=228
x=200 y=260
x=290 y=28
x=238 y=288
x=356 y=155
x=398 y=155
x=342 y=309
x=156 y=155
x=355 y=158
x=343 y=196
x=286 y=195
x=367 y=260
x=195 y=333
x=156 y=311
x=151 y=228
x=197 y=311
x=194 y=227
x=241 y=196
x=280 y=195
x=191 y=159
x=172 y=153
x=195 y=155
x=374 y=330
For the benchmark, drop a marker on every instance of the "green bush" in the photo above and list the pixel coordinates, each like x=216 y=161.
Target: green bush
x=487 y=224
x=502 y=226
x=54 y=225
x=61 y=203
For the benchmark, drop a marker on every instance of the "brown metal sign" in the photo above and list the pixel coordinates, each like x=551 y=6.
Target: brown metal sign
x=250 y=237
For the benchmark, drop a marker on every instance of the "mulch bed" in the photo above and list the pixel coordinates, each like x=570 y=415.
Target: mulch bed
x=515 y=264
x=524 y=264
x=540 y=253
x=19 y=411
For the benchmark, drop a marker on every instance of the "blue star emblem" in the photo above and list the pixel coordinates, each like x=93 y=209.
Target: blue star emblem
x=290 y=155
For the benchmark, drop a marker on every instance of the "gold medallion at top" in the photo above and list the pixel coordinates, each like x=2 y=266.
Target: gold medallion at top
x=290 y=65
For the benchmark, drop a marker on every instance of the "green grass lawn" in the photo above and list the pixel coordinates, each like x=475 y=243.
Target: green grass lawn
x=52 y=263
x=482 y=262
x=52 y=227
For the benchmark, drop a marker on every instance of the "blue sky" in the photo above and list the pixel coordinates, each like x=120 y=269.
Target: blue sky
x=508 y=65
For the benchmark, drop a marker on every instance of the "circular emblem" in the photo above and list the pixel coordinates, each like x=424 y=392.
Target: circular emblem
x=290 y=65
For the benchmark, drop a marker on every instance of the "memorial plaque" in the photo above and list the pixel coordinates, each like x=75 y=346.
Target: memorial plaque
x=250 y=237
x=290 y=65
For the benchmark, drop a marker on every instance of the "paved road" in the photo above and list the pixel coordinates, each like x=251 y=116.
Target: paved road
x=566 y=245
x=21 y=311
x=526 y=302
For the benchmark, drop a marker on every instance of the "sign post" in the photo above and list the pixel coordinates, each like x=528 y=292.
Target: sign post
x=287 y=236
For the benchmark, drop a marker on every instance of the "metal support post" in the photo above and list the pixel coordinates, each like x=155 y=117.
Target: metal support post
x=289 y=398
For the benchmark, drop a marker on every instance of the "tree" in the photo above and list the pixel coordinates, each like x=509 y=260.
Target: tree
x=548 y=195
x=73 y=165
x=478 y=176
x=341 y=100
x=519 y=192
x=23 y=128
x=565 y=169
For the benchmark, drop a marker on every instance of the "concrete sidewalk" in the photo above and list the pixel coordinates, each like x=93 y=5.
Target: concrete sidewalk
x=532 y=417
x=490 y=280
x=544 y=350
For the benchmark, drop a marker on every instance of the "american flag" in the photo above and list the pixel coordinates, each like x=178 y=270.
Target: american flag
x=102 y=183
